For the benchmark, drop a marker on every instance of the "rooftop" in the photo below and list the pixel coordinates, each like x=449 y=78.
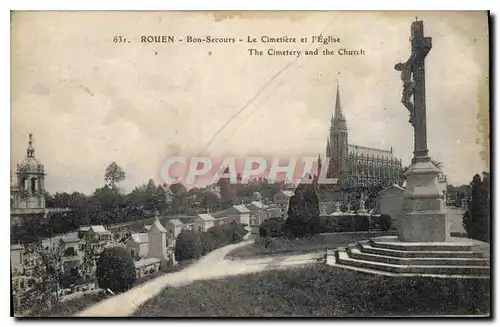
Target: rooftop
x=256 y=205
x=140 y=237
x=368 y=152
x=241 y=208
x=205 y=216
x=175 y=222
x=159 y=226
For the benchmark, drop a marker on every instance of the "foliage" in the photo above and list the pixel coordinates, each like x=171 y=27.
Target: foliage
x=192 y=245
x=113 y=175
x=70 y=278
x=458 y=193
x=43 y=265
x=272 y=227
x=476 y=219
x=361 y=223
x=302 y=209
x=115 y=270
x=385 y=222
x=187 y=245
x=70 y=307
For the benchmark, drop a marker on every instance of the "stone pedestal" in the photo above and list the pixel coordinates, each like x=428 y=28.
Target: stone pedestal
x=423 y=216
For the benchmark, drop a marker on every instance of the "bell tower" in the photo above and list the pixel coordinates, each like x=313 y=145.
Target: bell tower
x=30 y=189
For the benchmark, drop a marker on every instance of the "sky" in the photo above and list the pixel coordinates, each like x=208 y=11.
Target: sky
x=89 y=101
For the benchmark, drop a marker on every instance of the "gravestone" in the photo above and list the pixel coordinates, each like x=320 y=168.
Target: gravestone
x=323 y=210
x=362 y=205
x=337 y=207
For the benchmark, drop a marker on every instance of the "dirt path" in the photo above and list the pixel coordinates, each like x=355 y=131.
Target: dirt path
x=210 y=266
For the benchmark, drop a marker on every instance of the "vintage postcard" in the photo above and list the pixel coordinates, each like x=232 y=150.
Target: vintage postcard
x=250 y=164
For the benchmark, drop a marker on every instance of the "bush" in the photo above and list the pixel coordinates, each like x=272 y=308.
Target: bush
x=208 y=242
x=476 y=220
x=272 y=227
x=115 y=270
x=385 y=222
x=187 y=246
x=361 y=223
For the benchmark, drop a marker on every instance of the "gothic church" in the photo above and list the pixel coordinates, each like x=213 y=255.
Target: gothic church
x=357 y=165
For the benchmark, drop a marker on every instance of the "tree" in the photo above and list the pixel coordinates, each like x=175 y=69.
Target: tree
x=476 y=219
x=115 y=270
x=303 y=211
x=113 y=175
x=187 y=245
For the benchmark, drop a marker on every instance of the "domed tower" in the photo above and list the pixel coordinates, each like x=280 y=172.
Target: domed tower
x=30 y=181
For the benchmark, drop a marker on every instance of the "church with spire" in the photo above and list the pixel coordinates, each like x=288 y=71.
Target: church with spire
x=357 y=165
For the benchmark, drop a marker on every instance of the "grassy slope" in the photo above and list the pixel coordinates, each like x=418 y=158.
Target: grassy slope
x=320 y=292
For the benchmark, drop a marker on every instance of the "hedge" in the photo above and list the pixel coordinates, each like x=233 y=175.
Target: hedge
x=192 y=245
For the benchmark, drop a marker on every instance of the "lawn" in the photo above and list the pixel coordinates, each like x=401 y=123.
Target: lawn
x=320 y=292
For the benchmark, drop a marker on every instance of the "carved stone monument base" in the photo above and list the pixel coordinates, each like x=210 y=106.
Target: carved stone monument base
x=423 y=217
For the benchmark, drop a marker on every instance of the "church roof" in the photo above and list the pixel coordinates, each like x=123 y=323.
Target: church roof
x=367 y=151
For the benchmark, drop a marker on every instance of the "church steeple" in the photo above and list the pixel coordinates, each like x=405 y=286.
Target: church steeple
x=339 y=120
x=337 y=144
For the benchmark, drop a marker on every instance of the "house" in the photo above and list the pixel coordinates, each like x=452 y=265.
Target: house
x=148 y=266
x=174 y=228
x=203 y=222
x=138 y=245
x=73 y=251
x=146 y=229
x=95 y=233
x=237 y=213
x=390 y=202
x=282 y=198
x=158 y=239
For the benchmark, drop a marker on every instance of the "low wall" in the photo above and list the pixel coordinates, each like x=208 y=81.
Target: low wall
x=329 y=238
x=317 y=242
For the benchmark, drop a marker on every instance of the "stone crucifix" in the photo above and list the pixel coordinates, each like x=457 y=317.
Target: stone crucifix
x=413 y=78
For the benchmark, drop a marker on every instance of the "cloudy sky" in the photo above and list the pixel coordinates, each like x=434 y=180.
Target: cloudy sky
x=89 y=101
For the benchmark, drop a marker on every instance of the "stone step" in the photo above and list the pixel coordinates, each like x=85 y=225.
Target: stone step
x=367 y=248
x=332 y=262
x=385 y=242
x=343 y=258
x=357 y=253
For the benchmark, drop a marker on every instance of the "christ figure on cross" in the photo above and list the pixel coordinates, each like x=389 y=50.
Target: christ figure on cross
x=408 y=86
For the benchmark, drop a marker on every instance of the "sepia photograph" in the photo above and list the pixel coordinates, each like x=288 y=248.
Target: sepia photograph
x=250 y=164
